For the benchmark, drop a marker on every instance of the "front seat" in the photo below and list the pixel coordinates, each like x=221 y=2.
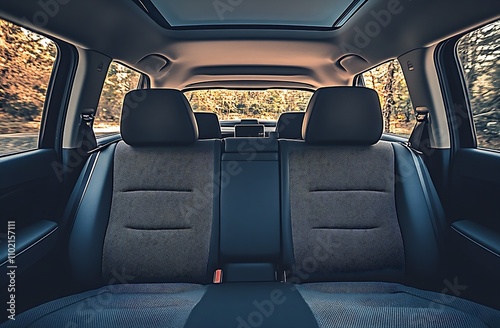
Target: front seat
x=208 y=125
x=289 y=125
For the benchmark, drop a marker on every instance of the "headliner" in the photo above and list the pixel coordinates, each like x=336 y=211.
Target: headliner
x=243 y=56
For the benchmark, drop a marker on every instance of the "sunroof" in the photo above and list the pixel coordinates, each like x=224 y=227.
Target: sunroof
x=307 y=13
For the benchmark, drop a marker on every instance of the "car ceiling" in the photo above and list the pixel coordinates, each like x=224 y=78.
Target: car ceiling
x=250 y=56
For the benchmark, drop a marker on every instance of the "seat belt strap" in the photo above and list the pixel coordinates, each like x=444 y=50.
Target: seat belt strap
x=101 y=147
x=87 y=139
x=419 y=138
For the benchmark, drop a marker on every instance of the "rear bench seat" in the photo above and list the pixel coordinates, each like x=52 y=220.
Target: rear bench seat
x=354 y=218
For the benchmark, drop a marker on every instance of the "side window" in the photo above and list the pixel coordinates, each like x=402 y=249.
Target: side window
x=119 y=80
x=26 y=63
x=388 y=80
x=479 y=54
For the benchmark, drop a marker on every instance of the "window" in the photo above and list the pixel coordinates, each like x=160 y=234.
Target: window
x=318 y=13
x=389 y=82
x=238 y=104
x=479 y=54
x=26 y=62
x=119 y=80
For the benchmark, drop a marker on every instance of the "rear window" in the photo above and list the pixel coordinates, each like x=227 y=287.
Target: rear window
x=389 y=82
x=257 y=104
x=119 y=80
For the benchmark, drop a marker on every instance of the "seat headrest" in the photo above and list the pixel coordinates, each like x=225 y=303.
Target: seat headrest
x=157 y=117
x=343 y=115
x=208 y=125
x=289 y=125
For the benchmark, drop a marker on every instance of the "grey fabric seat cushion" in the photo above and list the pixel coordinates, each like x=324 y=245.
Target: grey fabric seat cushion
x=343 y=213
x=117 y=306
x=375 y=304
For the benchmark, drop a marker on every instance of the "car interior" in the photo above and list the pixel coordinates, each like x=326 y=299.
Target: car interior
x=237 y=163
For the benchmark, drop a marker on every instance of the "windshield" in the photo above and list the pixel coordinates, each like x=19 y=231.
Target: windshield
x=240 y=104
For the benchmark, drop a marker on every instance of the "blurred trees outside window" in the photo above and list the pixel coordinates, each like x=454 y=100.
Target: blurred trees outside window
x=479 y=53
x=237 y=104
x=120 y=79
x=26 y=63
x=389 y=82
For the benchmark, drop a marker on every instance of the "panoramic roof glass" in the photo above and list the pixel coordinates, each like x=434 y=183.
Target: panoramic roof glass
x=310 y=13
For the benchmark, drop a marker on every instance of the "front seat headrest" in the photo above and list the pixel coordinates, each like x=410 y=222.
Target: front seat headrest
x=157 y=117
x=289 y=125
x=208 y=125
x=343 y=115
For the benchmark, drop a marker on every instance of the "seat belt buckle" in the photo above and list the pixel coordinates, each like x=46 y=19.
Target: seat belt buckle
x=218 y=276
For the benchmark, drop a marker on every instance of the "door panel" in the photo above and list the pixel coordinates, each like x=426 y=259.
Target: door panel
x=475 y=231
x=468 y=70
x=29 y=207
x=28 y=184
x=476 y=187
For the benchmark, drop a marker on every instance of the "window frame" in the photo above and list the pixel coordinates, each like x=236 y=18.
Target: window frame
x=52 y=129
x=456 y=94
x=465 y=88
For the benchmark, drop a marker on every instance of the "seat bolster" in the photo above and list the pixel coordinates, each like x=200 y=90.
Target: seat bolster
x=213 y=255
x=285 y=146
x=420 y=215
x=90 y=222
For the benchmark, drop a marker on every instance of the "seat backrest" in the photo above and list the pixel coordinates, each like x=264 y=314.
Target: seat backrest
x=208 y=125
x=161 y=205
x=342 y=196
x=289 y=125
